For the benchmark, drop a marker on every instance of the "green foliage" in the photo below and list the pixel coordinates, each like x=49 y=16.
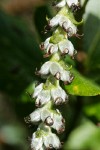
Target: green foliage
x=92 y=110
x=86 y=136
x=82 y=86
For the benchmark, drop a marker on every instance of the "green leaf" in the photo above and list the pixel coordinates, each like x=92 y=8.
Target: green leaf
x=92 y=110
x=86 y=136
x=82 y=86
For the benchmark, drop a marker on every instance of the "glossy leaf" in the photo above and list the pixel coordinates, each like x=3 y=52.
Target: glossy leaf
x=82 y=86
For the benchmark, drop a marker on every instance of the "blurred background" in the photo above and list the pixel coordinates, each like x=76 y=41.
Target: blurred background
x=21 y=26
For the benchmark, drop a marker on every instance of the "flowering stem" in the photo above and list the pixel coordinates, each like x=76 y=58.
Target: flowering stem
x=50 y=93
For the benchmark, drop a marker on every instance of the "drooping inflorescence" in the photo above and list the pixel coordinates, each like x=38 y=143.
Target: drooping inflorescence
x=54 y=71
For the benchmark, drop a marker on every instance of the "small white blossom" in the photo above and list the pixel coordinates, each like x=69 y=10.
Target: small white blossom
x=45 y=68
x=37 y=90
x=49 y=48
x=42 y=140
x=53 y=119
x=36 y=142
x=67 y=25
x=44 y=45
x=62 y=3
x=49 y=117
x=71 y=2
x=55 y=20
x=57 y=94
x=56 y=70
x=43 y=97
x=52 y=141
x=64 y=22
x=35 y=116
x=65 y=47
x=59 y=123
x=66 y=77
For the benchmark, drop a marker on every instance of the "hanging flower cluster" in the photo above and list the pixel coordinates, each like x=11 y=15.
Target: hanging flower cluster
x=50 y=94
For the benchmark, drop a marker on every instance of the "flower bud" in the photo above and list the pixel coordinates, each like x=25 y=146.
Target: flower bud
x=49 y=121
x=58 y=101
x=42 y=98
x=65 y=46
x=34 y=117
x=58 y=124
x=37 y=90
x=58 y=95
x=58 y=76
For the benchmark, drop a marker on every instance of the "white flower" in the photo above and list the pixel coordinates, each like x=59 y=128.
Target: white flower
x=45 y=68
x=71 y=2
x=68 y=26
x=42 y=98
x=42 y=140
x=36 y=142
x=53 y=119
x=37 y=90
x=59 y=123
x=65 y=47
x=34 y=117
x=65 y=23
x=49 y=117
x=44 y=45
x=62 y=3
x=51 y=141
x=55 y=20
x=56 y=70
x=49 y=48
x=57 y=94
x=42 y=95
